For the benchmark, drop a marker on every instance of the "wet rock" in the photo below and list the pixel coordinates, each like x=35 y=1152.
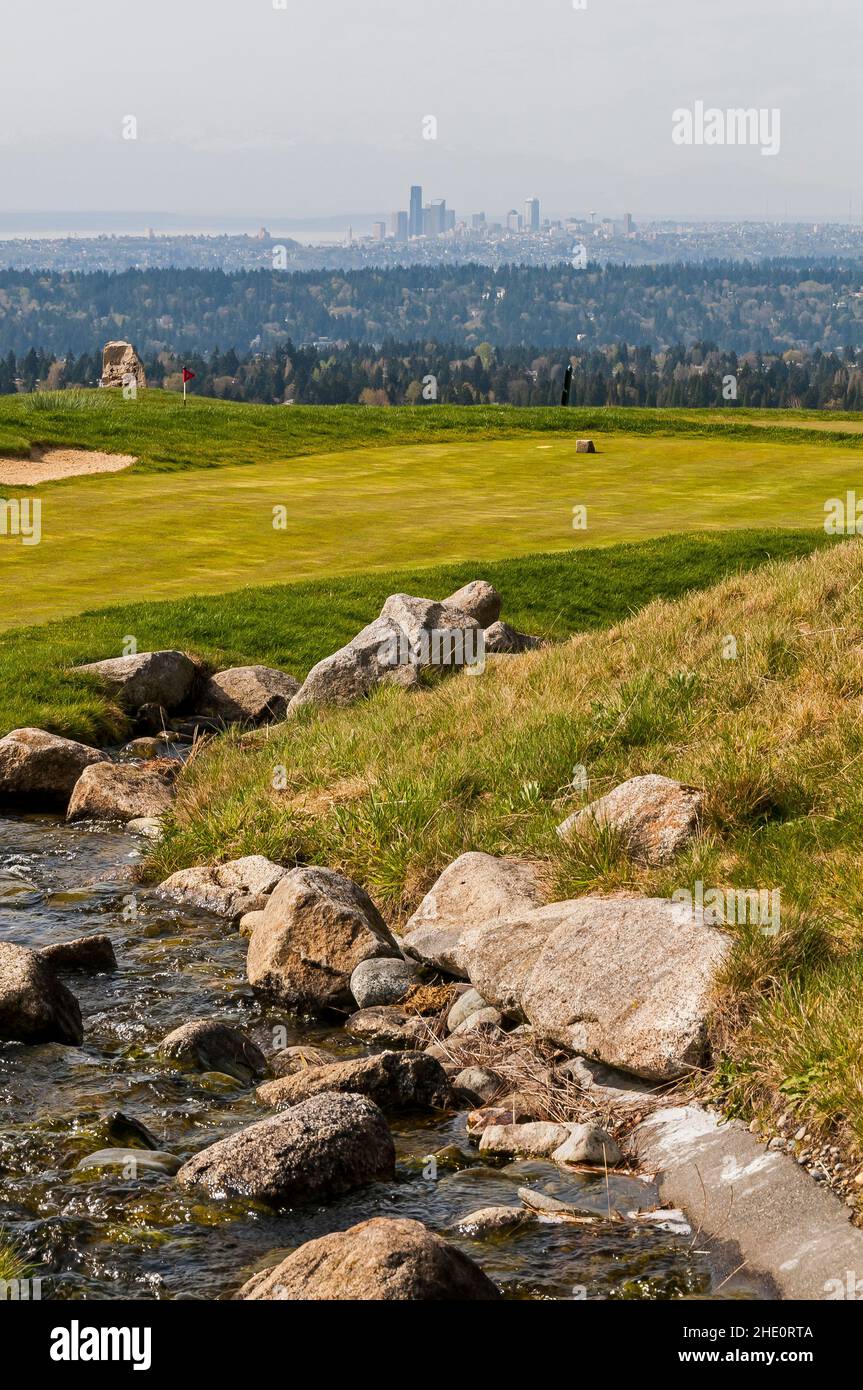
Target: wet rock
x=498 y=1115
x=316 y=929
x=536 y=1139
x=248 y=695
x=318 y=1149
x=290 y=1060
x=501 y=638
x=479 y=600
x=473 y=889
x=478 y=1085
x=143 y=748
x=150 y=827
x=588 y=1144
x=491 y=1221
x=388 y=1027
x=210 y=1045
x=34 y=1006
x=133 y=1163
x=161 y=678
x=41 y=768
x=648 y=1015
x=470 y=1001
x=92 y=955
x=655 y=817
x=125 y=1129
x=229 y=890
x=381 y=1260
x=393 y=1080
x=152 y=719
x=17 y=892
x=383 y=981
x=123 y=791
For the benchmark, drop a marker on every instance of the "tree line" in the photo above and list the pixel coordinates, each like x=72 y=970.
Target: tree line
x=770 y=306
x=424 y=373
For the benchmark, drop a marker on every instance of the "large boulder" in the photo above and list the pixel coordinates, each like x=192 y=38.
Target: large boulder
x=473 y=889
x=149 y=678
x=393 y=1080
x=410 y=633
x=34 y=1006
x=123 y=791
x=248 y=695
x=39 y=767
x=624 y=980
x=121 y=366
x=210 y=1045
x=654 y=816
x=536 y=1139
x=478 y=600
x=316 y=928
x=319 y=1149
x=227 y=890
x=386 y=1259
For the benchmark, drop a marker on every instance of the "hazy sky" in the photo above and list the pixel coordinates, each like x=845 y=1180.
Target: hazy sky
x=318 y=108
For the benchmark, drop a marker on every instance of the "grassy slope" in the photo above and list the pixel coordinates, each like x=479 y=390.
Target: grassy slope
x=292 y=626
x=206 y=433
x=141 y=534
x=394 y=790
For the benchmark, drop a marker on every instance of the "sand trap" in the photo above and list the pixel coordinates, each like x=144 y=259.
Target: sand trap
x=47 y=465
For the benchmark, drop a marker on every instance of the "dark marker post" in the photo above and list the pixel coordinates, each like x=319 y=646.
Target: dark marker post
x=567 y=384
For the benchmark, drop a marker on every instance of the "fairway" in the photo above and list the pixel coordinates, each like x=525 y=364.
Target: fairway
x=144 y=535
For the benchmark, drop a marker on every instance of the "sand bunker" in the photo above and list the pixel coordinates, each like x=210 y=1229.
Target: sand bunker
x=47 y=465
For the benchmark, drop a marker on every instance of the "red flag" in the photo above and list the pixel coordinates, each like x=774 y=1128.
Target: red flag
x=187 y=375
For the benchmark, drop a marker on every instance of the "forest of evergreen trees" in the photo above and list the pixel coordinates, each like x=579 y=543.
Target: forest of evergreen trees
x=768 y=307
x=420 y=373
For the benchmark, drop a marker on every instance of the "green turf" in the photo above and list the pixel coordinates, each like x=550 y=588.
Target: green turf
x=129 y=536
x=292 y=626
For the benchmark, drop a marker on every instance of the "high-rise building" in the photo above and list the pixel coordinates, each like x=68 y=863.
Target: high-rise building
x=434 y=217
x=531 y=214
x=477 y=221
x=513 y=221
x=627 y=223
x=379 y=231
x=415 y=217
x=399 y=226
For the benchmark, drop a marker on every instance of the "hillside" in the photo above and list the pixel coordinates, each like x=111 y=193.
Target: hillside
x=392 y=791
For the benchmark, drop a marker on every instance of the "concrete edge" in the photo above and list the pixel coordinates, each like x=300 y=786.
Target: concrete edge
x=794 y=1237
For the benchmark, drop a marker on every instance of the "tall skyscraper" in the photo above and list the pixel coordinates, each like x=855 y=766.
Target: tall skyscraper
x=399 y=226
x=379 y=231
x=531 y=214
x=415 y=217
x=435 y=217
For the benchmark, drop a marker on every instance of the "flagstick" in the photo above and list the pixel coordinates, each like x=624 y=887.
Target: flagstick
x=184 y=391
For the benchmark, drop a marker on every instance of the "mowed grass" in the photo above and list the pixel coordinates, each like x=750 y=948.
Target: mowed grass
x=292 y=626
x=276 y=510
x=393 y=790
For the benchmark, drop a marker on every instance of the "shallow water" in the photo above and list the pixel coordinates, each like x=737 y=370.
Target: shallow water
x=99 y=1236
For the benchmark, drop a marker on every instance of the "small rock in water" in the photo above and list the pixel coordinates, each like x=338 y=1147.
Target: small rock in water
x=123 y=791
x=230 y=890
x=388 y=1026
x=590 y=1145
x=490 y=1221
x=125 y=1129
x=380 y=980
x=150 y=827
x=537 y=1139
x=213 y=1046
x=16 y=892
x=299 y=1058
x=132 y=1162
x=321 y=1148
x=91 y=955
x=382 y=1260
x=393 y=1080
